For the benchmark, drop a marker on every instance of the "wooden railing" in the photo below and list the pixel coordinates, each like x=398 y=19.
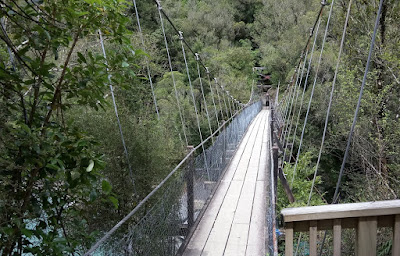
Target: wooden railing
x=364 y=217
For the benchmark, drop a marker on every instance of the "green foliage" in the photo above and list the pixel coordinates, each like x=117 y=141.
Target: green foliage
x=301 y=184
x=50 y=170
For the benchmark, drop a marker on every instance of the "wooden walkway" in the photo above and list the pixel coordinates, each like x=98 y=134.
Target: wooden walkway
x=234 y=223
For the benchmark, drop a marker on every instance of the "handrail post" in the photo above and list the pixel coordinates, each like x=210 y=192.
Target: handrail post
x=190 y=187
x=275 y=150
x=272 y=124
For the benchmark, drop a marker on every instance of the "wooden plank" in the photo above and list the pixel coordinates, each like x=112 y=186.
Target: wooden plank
x=313 y=238
x=245 y=204
x=366 y=236
x=289 y=239
x=396 y=237
x=338 y=211
x=218 y=234
x=337 y=237
x=256 y=240
x=237 y=240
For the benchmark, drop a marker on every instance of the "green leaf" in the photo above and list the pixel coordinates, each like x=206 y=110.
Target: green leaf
x=90 y=167
x=125 y=64
x=114 y=201
x=52 y=166
x=26 y=232
x=81 y=57
x=106 y=187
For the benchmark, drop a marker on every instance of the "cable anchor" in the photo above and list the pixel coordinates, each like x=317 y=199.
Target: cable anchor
x=159 y=5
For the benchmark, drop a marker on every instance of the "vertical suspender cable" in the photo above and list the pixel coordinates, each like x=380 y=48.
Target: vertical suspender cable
x=372 y=45
x=300 y=106
x=202 y=93
x=116 y=113
x=287 y=103
x=223 y=97
x=219 y=99
x=194 y=103
x=147 y=59
x=298 y=83
x=291 y=102
x=229 y=102
x=312 y=94
x=316 y=75
x=306 y=80
x=212 y=95
x=172 y=73
x=336 y=196
x=277 y=92
x=330 y=98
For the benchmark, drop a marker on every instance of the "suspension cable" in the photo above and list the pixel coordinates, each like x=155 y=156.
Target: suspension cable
x=305 y=85
x=223 y=97
x=289 y=110
x=172 y=73
x=294 y=111
x=291 y=105
x=336 y=195
x=194 y=103
x=212 y=95
x=315 y=79
x=116 y=112
x=202 y=92
x=162 y=12
x=331 y=97
x=147 y=59
x=219 y=98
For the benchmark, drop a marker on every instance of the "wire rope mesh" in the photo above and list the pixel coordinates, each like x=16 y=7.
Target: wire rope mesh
x=163 y=224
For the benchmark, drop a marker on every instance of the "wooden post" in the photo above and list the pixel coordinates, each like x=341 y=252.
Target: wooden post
x=337 y=237
x=396 y=236
x=366 y=236
x=289 y=239
x=189 y=187
x=313 y=238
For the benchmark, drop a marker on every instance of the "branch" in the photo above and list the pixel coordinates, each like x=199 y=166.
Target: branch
x=57 y=92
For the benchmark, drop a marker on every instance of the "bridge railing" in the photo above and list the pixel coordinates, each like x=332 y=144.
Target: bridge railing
x=163 y=222
x=365 y=218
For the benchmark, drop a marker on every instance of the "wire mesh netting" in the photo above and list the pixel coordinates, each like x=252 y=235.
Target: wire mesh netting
x=162 y=225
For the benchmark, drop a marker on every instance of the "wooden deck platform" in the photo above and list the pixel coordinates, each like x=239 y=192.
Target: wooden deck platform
x=234 y=223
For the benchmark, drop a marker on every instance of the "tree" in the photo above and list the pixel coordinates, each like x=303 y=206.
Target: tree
x=49 y=168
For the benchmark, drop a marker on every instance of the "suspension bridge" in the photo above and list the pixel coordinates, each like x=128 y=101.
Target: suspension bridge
x=220 y=199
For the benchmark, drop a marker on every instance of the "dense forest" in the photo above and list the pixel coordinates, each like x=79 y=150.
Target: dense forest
x=65 y=176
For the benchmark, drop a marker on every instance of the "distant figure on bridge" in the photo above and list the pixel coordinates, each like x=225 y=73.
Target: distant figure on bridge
x=267 y=99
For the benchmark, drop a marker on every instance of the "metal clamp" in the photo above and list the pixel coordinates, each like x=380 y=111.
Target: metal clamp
x=180 y=35
x=158 y=4
x=197 y=57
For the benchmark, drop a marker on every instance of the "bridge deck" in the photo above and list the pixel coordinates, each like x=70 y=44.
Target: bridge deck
x=234 y=223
